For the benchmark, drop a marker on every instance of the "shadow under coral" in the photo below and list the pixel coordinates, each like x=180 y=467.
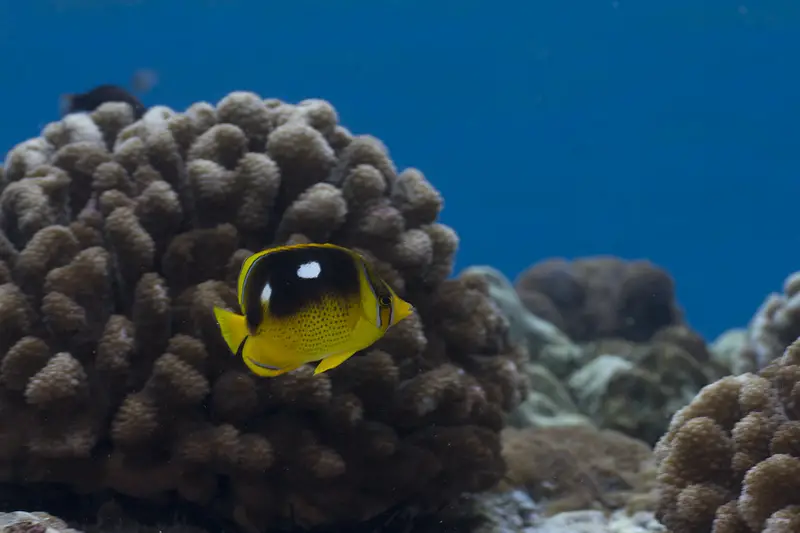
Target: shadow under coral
x=109 y=511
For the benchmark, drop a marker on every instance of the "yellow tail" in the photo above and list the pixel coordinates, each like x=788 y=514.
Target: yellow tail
x=233 y=328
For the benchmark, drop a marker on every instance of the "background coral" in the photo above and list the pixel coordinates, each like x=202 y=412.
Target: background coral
x=546 y=343
x=119 y=237
x=637 y=387
x=579 y=467
x=775 y=325
x=551 y=354
x=613 y=382
x=601 y=297
x=730 y=462
x=730 y=352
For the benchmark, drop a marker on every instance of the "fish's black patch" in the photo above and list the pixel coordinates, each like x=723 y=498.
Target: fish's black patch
x=338 y=276
x=91 y=100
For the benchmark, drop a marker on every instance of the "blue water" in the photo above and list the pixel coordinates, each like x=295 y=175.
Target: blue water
x=661 y=129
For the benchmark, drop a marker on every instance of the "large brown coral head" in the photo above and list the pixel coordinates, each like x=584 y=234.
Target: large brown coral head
x=119 y=236
x=601 y=297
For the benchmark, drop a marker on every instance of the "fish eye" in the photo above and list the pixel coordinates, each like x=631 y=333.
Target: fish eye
x=385 y=301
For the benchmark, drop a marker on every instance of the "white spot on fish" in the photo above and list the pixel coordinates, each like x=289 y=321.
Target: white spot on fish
x=310 y=270
x=266 y=293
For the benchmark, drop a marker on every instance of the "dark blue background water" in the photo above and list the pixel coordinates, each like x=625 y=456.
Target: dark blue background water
x=660 y=129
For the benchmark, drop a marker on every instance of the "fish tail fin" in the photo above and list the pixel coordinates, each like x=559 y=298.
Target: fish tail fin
x=233 y=328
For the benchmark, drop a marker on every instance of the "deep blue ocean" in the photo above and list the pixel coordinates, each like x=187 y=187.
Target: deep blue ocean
x=665 y=130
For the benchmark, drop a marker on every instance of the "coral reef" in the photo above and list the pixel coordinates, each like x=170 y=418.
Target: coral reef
x=36 y=522
x=730 y=462
x=552 y=356
x=775 y=325
x=488 y=512
x=589 y=521
x=510 y=511
x=601 y=297
x=547 y=345
x=577 y=467
x=637 y=387
x=616 y=383
x=549 y=403
x=514 y=511
x=730 y=351
x=118 y=237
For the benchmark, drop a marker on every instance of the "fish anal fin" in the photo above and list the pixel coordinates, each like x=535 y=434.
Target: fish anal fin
x=332 y=362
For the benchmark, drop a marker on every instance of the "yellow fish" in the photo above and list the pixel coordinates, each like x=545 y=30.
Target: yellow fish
x=305 y=303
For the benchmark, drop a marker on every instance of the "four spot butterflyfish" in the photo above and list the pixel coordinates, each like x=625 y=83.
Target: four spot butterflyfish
x=306 y=303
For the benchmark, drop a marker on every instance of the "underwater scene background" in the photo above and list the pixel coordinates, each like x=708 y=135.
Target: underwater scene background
x=590 y=207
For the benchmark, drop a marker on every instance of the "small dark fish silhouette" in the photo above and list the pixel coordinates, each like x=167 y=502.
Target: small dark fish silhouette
x=143 y=80
x=91 y=100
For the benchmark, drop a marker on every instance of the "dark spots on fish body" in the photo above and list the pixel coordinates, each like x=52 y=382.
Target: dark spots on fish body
x=337 y=278
x=327 y=327
x=91 y=100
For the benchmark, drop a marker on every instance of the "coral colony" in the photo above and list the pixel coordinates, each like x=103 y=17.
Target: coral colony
x=119 y=235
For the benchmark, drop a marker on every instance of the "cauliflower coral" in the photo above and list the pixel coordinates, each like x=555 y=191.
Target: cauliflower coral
x=730 y=462
x=118 y=236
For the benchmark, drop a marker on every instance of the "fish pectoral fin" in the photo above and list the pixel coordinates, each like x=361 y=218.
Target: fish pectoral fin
x=233 y=328
x=332 y=362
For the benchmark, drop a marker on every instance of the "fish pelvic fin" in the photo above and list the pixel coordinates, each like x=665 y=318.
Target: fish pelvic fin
x=233 y=328
x=332 y=362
